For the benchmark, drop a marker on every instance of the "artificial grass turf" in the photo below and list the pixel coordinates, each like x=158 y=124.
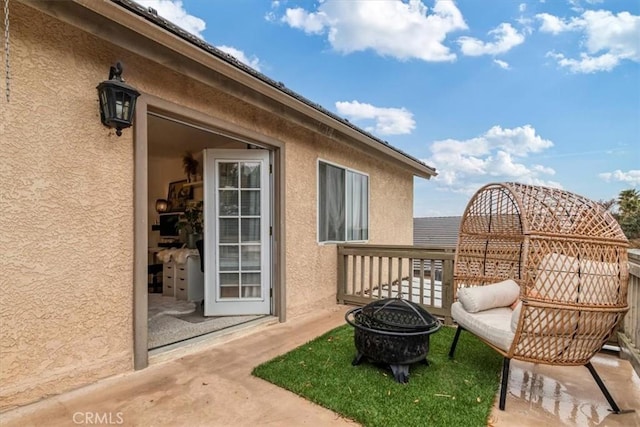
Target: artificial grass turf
x=457 y=392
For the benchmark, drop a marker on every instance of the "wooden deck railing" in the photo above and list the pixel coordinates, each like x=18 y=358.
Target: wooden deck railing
x=422 y=274
x=629 y=332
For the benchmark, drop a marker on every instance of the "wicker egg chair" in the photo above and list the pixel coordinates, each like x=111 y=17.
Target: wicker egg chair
x=569 y=257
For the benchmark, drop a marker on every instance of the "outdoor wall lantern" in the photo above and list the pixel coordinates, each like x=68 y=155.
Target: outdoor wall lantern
x=117 y=101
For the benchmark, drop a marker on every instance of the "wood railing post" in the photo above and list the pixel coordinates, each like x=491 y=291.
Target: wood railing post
x=447 y=288
x=342 y=274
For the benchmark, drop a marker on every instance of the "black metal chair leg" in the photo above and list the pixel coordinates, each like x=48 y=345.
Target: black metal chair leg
x=455 y=341
x=614 y=407
x=505 y=382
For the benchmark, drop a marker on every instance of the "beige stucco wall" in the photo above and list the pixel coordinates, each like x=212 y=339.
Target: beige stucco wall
x=312 y=267
x=67 y=207
x=66 y=211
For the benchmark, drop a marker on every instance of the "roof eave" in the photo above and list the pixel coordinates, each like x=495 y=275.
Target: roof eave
x=136 y=18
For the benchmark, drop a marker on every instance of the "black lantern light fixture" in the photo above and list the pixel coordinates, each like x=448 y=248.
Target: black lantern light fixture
x=117 y=101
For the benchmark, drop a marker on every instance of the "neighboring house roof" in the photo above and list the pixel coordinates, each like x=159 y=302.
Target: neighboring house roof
x=419 y=168
x=436 y=231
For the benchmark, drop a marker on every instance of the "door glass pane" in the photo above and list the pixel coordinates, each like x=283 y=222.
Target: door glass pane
x=251 y=285
x=229 y=279
x=251 y=292
x=250 y=279
x=229 y=258
x=228 y=175
x=251 y=175
x=250 y=230
x=250 y=257
x=228 y=230
x=228 y=202
x=250 y=202
x=229 y=285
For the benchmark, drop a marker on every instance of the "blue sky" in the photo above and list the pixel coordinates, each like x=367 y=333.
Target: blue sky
x=543 y=92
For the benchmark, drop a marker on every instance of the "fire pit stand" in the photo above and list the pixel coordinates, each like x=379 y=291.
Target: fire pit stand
x=394 y=332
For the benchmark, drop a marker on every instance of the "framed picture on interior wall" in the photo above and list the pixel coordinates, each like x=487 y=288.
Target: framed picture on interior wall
x=179 y=194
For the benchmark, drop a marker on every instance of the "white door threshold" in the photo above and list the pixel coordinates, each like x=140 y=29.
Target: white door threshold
x=203 y=342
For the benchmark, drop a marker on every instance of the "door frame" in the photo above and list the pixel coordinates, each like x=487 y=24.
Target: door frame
x=149 y=103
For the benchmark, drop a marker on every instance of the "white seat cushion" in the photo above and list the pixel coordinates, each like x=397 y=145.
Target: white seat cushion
x=599 y=282
x=491 y=325
x=515 y=317
x=547 y=321
x=479 y=298
x=557 y=277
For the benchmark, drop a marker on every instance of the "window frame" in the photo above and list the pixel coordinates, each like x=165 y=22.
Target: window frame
x=346 y=201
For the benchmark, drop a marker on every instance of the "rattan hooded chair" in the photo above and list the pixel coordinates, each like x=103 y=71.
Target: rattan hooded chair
x=568 y=257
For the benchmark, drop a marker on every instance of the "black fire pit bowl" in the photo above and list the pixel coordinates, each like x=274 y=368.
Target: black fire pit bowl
x=392 y=332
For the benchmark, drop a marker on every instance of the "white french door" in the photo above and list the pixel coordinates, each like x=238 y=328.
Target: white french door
x=237 y=268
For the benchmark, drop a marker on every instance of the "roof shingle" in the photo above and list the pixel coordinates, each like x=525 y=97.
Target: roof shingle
x=436 y=231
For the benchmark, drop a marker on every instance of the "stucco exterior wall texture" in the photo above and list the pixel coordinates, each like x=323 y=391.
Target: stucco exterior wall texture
x=67 y=207
x=67 y=238
x=312 y=267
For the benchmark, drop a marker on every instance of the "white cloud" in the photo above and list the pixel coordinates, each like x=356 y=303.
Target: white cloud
x=522 y=7
x=502 y=64
x=399 y=29
x=609 y=39
x=526 y=24
x=272 y=15
x=310 y=23
x=619 y=34
x=497 y=155
x=505 y=38
x=518 y=141
x=586 y=64
x=388 y=121
x=631 y=177
x=552 y=24
x=253 y=62
x=174 y=11
x=577 y=6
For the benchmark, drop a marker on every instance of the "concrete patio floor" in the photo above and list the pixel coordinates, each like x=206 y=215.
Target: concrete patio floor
x=210 y=384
